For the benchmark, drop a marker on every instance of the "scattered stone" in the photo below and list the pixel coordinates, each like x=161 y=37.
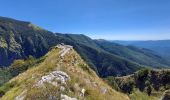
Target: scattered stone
x=103 y=90
x=94 y=84
x=21 y=96
x=54 y=78
x=82 y=92
x=51 y=97
x=65 y=97
x=62 y=88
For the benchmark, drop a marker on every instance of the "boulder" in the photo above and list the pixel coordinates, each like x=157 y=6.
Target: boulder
x=53 y=78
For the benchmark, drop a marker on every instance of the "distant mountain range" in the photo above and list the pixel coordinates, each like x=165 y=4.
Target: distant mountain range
x=141 y=56
x=161 y=47
x=19 y=40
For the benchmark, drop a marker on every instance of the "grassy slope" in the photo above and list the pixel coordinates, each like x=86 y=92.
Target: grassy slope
x=80 y=73
x=138 y=95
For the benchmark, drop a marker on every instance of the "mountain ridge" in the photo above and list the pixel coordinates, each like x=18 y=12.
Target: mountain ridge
x=64 y=65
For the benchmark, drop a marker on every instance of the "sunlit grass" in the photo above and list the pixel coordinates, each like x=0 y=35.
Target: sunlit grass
x=81 y=77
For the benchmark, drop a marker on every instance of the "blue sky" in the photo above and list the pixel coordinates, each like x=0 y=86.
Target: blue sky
x=106 y=19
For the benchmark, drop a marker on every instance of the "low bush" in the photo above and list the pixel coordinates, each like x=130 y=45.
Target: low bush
x=6 y=87
x=112 y=82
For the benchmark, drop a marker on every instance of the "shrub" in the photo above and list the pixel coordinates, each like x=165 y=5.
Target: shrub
x=166 y=79
x=112 y=82
x=141 y=77
x=148 y=87
x=20 y=66
x=127 y=87
x=6 y=87
x=149 y=90
x=142 y=74
x=156 y=80
x=85 y=68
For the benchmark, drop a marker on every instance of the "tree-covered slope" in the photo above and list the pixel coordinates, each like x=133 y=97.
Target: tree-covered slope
x=20 y=39
x=145 y=84
x=139 y=55
x=104 y=62
x=161 y=47
x=115 y=57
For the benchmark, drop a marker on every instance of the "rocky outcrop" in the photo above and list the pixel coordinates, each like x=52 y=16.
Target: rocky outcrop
x=103 y=90
x=54 y=78
x=65 y=97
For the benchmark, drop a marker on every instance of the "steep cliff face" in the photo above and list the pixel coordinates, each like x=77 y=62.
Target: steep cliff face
x=20 y=39
x=62 y=75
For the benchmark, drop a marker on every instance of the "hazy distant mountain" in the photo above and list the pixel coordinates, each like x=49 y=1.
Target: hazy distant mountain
x=162 y=47
x=139 y=55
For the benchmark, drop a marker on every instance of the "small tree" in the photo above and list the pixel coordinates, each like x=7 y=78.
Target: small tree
x=148 y=87
x=127 y=87
x=149 y=90
x=112 y=82
x=141 y=77
x=17 y=67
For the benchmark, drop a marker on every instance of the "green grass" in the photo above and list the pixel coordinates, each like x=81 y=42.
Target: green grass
x=7 y=87
x=4 y=76
x=137 y=95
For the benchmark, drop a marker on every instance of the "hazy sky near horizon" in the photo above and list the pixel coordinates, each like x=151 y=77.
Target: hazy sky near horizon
x=106 y=19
